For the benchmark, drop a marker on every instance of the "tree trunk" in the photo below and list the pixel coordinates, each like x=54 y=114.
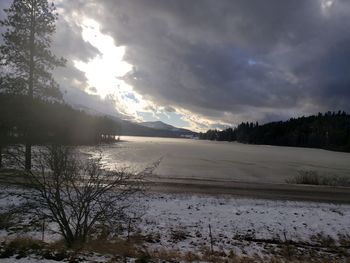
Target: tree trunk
x=28 y=153
x=28 y=156
x=0 y=156
x=31 y=54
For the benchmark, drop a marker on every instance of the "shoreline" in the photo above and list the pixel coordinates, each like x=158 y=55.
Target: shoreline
x=269 y=191
x=292 y=192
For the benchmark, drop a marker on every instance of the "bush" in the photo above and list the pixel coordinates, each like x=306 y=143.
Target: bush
x=305 y=177
x=79 y=195
x=312 y=178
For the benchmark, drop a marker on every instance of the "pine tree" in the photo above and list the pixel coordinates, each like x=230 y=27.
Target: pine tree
x=25 y=55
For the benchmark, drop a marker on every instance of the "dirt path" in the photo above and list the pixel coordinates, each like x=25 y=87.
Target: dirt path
x=254 y=190
x=215 y=187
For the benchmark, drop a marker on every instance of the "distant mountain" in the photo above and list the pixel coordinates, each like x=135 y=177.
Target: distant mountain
x=136 y=129
x=152 y=129
x=157 y=128
x=159 y=125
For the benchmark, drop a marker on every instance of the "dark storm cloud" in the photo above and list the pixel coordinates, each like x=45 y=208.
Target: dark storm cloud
x=262 y=57
x=226 y=60
x=329 y=75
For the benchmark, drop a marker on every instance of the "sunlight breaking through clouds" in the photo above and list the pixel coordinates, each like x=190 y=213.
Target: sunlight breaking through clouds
x=176 y=66
x=105 y=74
x=326 y=5
x=105 y=71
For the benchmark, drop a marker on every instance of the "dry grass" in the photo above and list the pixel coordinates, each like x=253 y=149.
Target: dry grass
x=344 y=240
x=165 y=254
x=23 y=243
x=21 y=247
x=323 y=240
x=114 y=247
x=6 y=220
x=120 y=250
x=313 y=178
x=178 y=235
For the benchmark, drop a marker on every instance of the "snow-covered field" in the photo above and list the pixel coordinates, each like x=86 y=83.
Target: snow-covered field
x=234 y=219
x=238 y=225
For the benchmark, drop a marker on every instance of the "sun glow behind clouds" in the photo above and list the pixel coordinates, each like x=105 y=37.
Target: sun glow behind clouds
x=105 y=74
x=326 y=5
x=105 y=71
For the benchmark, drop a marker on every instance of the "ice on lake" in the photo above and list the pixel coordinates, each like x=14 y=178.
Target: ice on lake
x=210 y=160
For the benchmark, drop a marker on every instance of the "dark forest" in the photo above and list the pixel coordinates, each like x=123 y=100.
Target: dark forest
x=329 y=131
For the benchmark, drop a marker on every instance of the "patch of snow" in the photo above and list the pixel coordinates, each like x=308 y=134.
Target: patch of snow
x=231 y=218
x=181 y=222
x=26 y=260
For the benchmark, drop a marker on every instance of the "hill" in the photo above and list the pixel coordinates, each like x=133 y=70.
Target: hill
x=159 y=125
x=138 y=129
x=150 y=129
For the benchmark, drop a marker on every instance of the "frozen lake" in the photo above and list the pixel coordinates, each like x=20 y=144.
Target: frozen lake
x=221 y=161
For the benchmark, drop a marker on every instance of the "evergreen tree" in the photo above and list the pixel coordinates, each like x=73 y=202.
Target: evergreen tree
x=25 y=55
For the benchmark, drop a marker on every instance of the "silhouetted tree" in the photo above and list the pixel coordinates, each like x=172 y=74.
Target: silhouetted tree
x=26 y=56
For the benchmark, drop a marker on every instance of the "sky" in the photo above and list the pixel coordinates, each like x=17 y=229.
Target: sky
x=204 y=64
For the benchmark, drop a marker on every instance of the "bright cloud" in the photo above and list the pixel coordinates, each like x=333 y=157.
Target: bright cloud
x=105 y=71
x=168 y=62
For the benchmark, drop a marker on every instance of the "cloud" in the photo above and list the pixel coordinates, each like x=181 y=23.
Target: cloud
x=220 y=62
x=197 y=55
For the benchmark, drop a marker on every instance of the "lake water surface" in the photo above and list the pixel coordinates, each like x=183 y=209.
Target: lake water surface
x=223 y=161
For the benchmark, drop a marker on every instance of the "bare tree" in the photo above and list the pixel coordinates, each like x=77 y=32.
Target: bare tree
x=78 y=194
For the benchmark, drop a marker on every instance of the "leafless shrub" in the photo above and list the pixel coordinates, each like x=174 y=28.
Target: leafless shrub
x=305 y=177
x=313 y=178
x=79 y=195
x=178 y=235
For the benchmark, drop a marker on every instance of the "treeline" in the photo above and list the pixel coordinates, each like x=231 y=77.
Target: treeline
x=24 y=119
x=328 y=131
